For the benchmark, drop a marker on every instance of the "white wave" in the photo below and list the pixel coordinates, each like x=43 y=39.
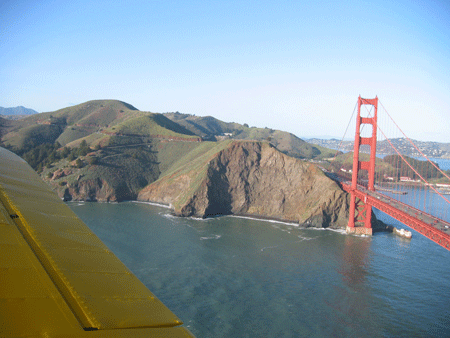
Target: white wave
x=154 y=203
x=340 y=231
x=306 y=238
x=171 y=216
x=198 y=219
x=361 y=235
x=266 y=220
x=211 y=237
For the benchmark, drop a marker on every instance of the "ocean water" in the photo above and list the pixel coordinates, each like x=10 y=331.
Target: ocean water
x=240 y=277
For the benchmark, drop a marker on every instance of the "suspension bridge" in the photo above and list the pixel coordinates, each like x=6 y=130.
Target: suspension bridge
x=412 y=189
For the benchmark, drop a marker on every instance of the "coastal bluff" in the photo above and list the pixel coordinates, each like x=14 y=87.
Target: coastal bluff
x=254 y=179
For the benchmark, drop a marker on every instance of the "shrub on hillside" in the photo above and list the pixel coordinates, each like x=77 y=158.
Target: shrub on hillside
x=92 y=160
x=78 y=163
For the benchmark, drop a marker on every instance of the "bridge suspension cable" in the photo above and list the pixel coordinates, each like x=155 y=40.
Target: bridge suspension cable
x=404 y=186
x=405 y=161
x=412 y=143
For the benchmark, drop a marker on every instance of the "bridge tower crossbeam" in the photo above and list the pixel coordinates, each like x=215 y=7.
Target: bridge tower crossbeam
x=360 y=211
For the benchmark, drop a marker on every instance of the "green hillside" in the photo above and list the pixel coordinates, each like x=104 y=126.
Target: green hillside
x=204 y=126
x=93 y=121
x=171 y=152
x=194 y=159
x=389 y=166
x=150 y=125
x=93 y=116
x=211 y=128
x=100 y=113
x=33 y=135
x=67 y=124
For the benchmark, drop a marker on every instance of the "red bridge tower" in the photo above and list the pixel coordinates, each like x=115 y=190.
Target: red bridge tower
x=360 y=211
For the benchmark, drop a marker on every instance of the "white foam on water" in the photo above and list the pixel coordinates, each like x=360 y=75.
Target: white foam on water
x=198 y=219
x=154 y=203
x=163 y=214
x=306 y=238
x=210 y=237
x=266 y=220
x=339 y=231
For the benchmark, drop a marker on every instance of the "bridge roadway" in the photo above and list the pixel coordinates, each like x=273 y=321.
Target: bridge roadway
x=431 y=227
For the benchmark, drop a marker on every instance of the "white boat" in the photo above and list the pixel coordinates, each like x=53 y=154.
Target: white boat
x=403 y=233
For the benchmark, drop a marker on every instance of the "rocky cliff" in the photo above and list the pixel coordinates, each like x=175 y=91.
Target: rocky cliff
x=253 y=178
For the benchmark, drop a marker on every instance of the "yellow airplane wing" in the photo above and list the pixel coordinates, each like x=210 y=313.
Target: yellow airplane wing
x=57 y=278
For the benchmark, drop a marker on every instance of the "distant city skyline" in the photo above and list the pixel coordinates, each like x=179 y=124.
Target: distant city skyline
x=293 y=66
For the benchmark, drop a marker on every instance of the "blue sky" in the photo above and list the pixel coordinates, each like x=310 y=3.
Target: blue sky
x=289 y=65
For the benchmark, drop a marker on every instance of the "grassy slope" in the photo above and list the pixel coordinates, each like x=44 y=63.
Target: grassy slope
x=70 y=125
x=204 y=125
x=195 y=159
x=5 y=125
x=73 y=133
x=73 y=122
x=171 y=152
x=98 y=112
x=92 y=140
x=284 y=141
x=149 y=125
x=134 y=130
x=93 y=116
x=345 y=161
x=193 y=164
x=324 y=152
x=33 y=135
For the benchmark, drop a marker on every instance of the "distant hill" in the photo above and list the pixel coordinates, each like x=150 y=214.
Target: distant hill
x=430 y=149
x=210 y=128
x=204 y=126
x=16 y=113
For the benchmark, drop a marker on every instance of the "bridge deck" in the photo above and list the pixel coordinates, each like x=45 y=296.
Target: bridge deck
x=431 y=227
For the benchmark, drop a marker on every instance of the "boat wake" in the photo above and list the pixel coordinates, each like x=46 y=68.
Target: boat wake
x=210 y=237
